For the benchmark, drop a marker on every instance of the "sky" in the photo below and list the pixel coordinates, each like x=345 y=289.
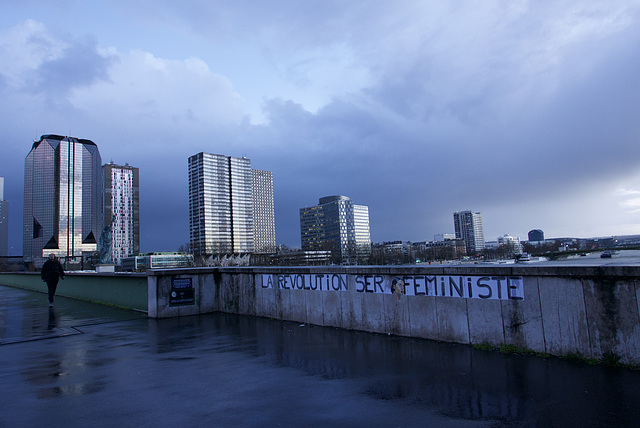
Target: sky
x=526 y=111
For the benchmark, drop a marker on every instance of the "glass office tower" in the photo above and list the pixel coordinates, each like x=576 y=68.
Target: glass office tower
x=62 y=199
x=362 y=233
x=122 y=209
x=337 y=224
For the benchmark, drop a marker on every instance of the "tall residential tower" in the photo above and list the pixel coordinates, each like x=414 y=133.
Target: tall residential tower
x=468 y=227
x=337 y=224
x=230 y=206
x=264 y=225
x=122 y=209
x=62 y=199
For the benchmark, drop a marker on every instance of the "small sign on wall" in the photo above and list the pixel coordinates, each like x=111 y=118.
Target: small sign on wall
x=182 y=292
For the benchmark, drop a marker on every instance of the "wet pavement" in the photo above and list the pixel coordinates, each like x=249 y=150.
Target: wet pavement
x=82 y=364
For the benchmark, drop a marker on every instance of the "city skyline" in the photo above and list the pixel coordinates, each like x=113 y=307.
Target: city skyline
x=528 y=115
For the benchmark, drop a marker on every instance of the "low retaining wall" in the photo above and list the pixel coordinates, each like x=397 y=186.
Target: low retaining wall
x=122 y=290
x=588 y=311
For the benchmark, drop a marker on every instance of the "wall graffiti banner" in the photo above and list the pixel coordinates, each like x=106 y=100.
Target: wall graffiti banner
x=315 y=282
x=457 y=286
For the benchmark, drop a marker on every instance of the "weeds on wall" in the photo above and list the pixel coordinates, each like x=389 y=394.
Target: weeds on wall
x=609 y=358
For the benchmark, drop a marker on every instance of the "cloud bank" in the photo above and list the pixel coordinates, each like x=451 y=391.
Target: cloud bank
x=524 y=111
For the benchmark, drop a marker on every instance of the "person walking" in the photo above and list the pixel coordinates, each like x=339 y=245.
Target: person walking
x=51 y=272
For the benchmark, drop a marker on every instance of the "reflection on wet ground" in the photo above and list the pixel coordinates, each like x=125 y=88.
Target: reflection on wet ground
x=25 y=316
x=123 y=370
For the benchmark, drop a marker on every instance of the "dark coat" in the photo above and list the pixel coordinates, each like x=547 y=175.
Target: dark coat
x=51 y=270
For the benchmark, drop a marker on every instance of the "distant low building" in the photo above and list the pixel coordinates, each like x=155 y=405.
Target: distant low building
x=146 y=261
x=403 y=252
x=444 y=237
x=449 y=248
x=536 y=235
x=302 y=258
x=391 y=252
x=512 y=242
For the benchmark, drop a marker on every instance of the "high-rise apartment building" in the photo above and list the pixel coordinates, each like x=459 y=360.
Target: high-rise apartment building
x=62 y=199
x=264 y=225
x=468 y=227
x=230 y=207
x=122 y=209
x=4 y=221
x=241 y=205
x=337 y=224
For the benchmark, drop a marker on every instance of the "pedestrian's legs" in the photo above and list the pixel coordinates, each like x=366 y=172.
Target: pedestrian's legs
x=52 y=285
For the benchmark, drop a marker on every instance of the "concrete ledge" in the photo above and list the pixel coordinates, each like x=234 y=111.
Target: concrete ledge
x=125 y=290
x=495 y=270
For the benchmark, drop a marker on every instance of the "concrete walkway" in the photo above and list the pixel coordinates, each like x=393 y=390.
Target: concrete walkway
x=88 y=365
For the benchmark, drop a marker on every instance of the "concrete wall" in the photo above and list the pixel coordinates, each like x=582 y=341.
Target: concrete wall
x=557 y=310
x=122 y=290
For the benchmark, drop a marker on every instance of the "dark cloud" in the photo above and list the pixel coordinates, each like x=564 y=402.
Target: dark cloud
x=79 y=64
x=413 y=176
x=512 y=112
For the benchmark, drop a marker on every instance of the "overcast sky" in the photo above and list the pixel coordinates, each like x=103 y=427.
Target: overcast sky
x=527 y=111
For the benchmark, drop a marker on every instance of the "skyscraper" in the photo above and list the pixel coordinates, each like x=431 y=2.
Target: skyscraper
x=122 y=209
x=264 y=226
x=337 y=224
x=230 y=206
x=4 y=222
x=62 y=199
x=468 y=227
x=241 y=205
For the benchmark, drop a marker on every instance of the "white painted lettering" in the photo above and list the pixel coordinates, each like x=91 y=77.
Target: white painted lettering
x=453 y=286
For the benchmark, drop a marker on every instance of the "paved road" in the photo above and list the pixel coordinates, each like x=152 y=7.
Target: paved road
x=89 y=365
